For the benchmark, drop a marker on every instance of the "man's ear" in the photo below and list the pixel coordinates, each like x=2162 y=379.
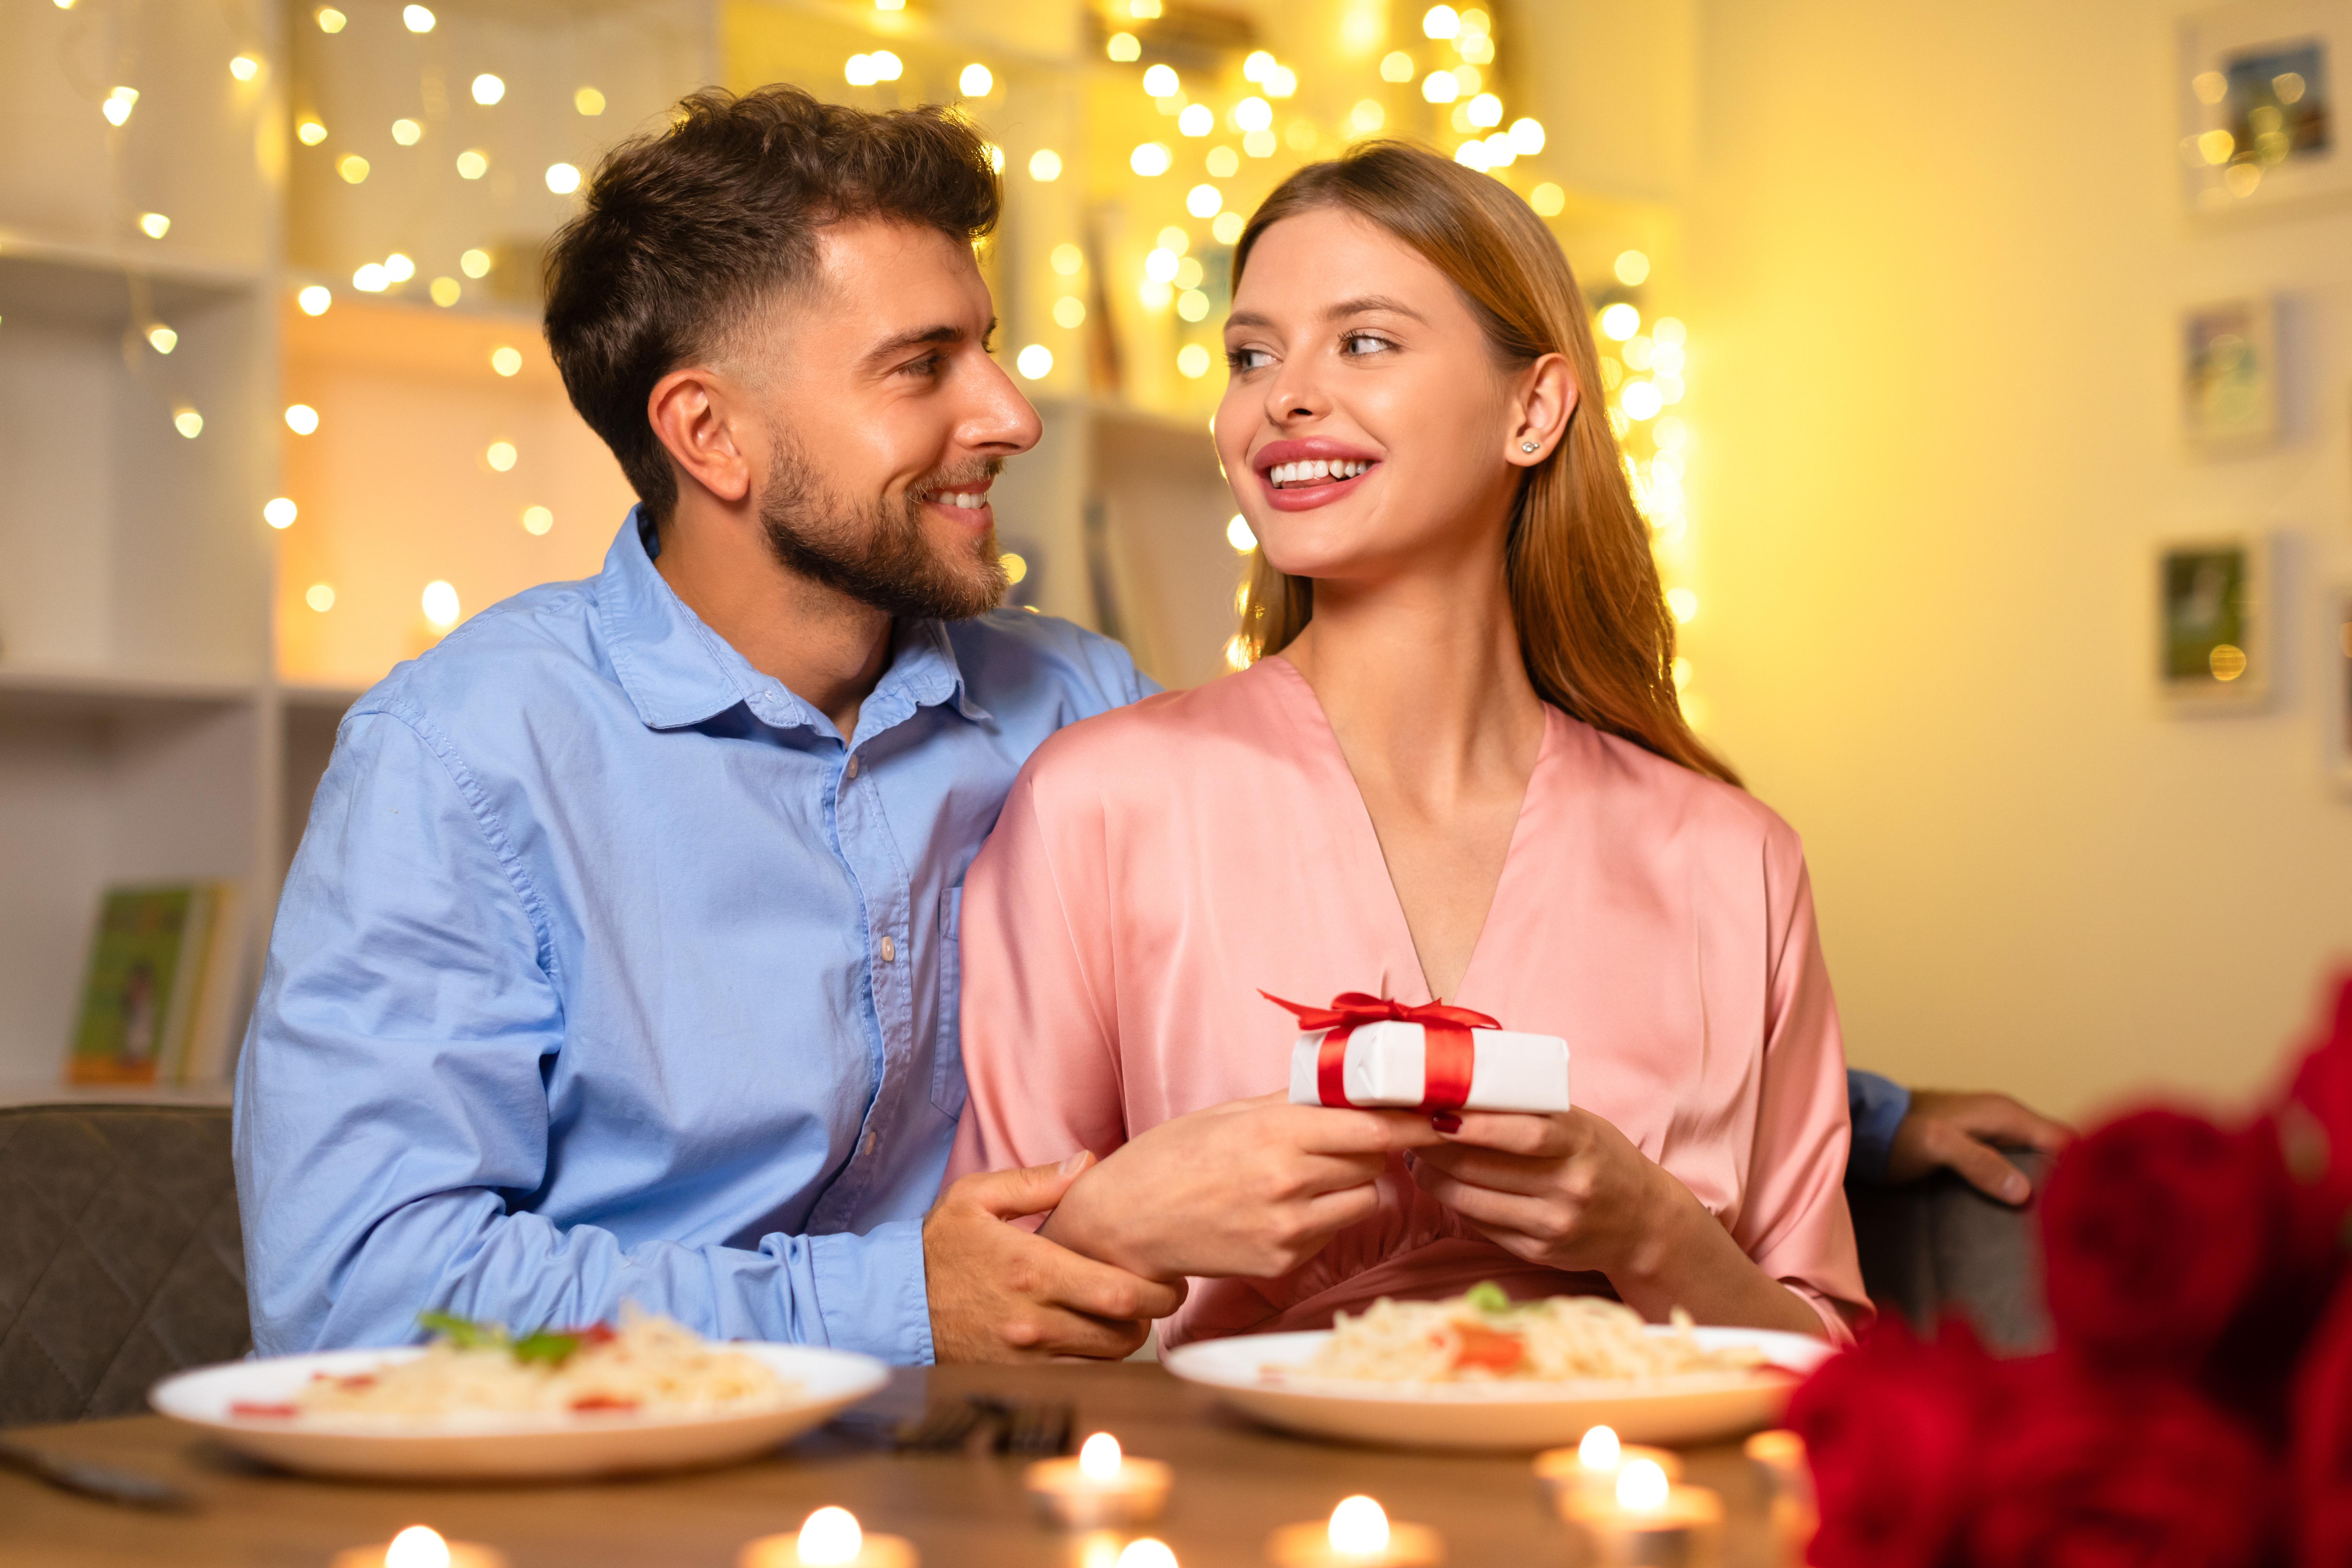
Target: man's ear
x=701 y=416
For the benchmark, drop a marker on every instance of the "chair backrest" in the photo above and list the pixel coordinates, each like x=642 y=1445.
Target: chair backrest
x=1938 y=1245
x=120 y=1256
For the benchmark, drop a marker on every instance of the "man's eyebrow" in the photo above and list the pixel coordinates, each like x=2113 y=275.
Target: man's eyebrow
x=1364 y=304
x=891 y=347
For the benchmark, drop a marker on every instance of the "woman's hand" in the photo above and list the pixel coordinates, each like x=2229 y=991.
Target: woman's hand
x=1569 y=1191
x=1252 y=1187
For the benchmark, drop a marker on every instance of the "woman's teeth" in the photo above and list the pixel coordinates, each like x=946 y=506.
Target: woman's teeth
x=1314 y=470
x=970 y=501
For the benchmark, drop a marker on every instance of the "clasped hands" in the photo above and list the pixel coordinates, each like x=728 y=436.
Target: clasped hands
x=1257 y=1187
x=1254 y=1188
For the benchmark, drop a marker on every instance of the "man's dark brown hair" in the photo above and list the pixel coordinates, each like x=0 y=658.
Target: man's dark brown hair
x=685 y=232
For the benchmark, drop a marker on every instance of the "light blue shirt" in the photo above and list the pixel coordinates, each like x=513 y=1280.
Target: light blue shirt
x=603 y=974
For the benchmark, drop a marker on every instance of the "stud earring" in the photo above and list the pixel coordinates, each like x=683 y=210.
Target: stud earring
x=1526 y=445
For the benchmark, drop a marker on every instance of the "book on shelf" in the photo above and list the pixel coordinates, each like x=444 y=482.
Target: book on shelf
x=165 y=967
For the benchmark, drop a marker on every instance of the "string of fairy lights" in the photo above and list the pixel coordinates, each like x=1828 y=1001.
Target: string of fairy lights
x=1231 y=129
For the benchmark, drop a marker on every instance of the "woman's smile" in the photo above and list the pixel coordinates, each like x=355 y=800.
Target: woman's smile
x=1297 y=476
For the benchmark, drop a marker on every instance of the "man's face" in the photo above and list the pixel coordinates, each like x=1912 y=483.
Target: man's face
x=888 y=422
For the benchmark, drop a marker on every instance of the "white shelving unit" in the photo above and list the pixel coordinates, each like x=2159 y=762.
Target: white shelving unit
x=139 y=727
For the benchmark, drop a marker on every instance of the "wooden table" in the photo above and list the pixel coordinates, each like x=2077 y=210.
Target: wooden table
x=1234 y=1483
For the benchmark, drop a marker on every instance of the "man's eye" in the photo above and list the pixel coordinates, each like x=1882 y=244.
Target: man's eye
x=930 y=365
x=1247 y=359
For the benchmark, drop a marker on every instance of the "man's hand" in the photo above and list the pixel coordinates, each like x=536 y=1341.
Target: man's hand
x=999 y=1293
x=1966 y=1132
x=1250 y=1188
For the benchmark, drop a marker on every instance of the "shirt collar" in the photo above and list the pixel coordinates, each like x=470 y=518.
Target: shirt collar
x=678 y=672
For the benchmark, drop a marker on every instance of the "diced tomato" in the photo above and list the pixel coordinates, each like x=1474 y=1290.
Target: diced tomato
x=250 y=1408
x=1488 y=1348
x=595 y=1334
x=603 y=1401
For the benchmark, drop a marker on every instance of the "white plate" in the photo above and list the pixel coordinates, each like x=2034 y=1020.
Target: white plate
x=504 y=1448
x=1249 y=1371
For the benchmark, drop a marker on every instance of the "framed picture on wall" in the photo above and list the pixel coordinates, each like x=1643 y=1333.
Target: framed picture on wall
x=2259 y=87
x=2229 y=375
x=2213 y=622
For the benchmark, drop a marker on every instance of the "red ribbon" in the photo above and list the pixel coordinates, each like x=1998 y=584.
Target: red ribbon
x=1447 y=1058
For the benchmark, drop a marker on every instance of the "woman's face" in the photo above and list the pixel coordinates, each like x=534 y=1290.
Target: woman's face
x=1366 y=429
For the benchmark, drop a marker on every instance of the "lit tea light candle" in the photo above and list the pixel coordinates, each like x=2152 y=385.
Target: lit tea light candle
x=1789 y=1481
x=421 y=1547
x=1102 y=1489
x=1649 y=1521
x=1359 y=1534
x=829 y=1537
x=1595 y=1464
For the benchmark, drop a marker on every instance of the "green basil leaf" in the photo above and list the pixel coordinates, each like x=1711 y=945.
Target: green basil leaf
x=540 y=1344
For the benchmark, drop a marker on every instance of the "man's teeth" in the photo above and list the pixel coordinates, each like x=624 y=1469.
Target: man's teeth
x=970 y=501
x=1315 y=469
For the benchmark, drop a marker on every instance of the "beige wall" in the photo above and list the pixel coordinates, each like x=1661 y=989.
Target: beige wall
x=1935 y=255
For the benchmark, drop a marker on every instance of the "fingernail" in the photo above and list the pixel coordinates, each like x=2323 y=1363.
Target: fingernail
x=1076 y=1162
x=2015 y=1189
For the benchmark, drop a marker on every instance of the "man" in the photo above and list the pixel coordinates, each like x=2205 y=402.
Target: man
x=617 y=961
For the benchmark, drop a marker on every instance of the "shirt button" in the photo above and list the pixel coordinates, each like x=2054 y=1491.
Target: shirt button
x=851 y=771
x=890 y=951
x=868 y=1147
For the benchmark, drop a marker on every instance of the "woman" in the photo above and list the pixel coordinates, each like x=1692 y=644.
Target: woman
x=1457 y=770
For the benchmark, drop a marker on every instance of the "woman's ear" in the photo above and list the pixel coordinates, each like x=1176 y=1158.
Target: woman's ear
x=1547 y=397
x=693 y=412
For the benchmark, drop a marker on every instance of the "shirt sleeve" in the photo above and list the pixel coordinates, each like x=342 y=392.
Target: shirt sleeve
x=1877 y=1106
x=392 y=1112
x=1038 y=1019
x=1794 y=1222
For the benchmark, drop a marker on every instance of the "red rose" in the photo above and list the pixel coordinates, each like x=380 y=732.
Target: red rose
x=2154 y=1231
x=1890 y=1429
x=2087 y=1470
x=2322 y=1440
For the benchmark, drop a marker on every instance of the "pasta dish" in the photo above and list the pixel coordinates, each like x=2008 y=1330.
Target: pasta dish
x=1483 y=1336
x=648 y=1363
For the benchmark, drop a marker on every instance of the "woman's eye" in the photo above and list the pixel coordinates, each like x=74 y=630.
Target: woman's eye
x=1247 y=359
x=1364 y=344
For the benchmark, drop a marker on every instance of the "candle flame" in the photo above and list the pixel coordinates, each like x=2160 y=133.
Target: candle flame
x=1147 y=1553
x=1359 y=1528
x=1599 y=1449
x=1642 y=1487
x=1099 y=1459
x=831 y=1536
x=417 y=1547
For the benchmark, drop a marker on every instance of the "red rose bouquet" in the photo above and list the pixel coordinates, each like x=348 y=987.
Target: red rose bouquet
x=2197 y=1412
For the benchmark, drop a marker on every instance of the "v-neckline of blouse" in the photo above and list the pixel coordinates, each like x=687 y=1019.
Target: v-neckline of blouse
x=1400 y=932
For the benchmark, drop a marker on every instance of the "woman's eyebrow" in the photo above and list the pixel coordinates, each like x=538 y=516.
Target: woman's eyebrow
x=1362 y=305
x=1368 y=304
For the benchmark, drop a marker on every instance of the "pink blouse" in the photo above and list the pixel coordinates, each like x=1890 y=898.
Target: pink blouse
x=1156 y=866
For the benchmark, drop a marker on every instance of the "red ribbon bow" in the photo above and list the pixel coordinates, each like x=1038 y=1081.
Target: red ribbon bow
x=1448 y=1055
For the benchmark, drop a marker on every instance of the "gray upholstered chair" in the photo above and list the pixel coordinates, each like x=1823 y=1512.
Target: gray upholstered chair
x=1938 y=1245
x=120 y=1256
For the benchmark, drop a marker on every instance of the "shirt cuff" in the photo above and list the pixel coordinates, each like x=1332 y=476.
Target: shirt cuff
x=1879 y=1106
x=870 y=1292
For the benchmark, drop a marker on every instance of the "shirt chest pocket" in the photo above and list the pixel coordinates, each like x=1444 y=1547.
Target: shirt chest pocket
x=947 y=1051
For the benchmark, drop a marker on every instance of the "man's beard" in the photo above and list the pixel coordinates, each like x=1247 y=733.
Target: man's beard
x=883 y=558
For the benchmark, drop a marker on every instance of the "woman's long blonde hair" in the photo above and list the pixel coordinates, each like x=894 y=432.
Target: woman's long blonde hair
x=1594 y=631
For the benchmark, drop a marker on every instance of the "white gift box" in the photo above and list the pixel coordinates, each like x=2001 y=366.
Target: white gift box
x=1384 y=1068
